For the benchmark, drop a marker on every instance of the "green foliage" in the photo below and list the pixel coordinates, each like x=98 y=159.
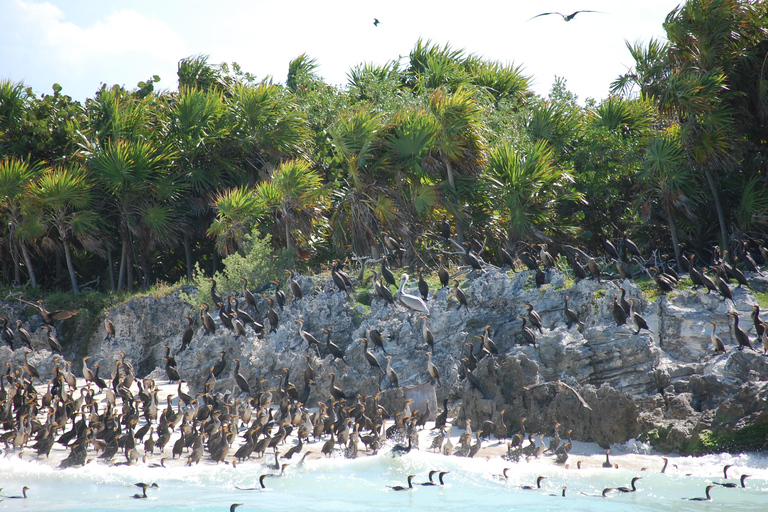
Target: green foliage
x=257 y=263
x=301 y=73
x=528 y=187
x=751 y=438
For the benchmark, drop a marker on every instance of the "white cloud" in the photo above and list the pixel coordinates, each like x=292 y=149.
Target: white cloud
x=124 y=47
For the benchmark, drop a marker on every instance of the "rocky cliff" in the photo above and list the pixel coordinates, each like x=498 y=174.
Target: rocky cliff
x=666 y=385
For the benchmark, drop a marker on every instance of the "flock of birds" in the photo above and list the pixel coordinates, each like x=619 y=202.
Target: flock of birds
x=98 y=419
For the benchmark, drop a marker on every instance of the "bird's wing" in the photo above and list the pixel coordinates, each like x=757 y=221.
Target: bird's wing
x=569 y=388
x=544 y=14
x=63 y=315
x=540 y=384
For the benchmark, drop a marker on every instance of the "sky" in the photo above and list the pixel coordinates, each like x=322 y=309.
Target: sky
x=81 y=44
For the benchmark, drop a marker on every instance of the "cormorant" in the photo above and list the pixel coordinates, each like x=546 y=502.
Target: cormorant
x=24 y=336
x=717 y=343
x=333 y=348
x=459 y=294
x=706 y=491
x=372 y=361
x=607 y=463
x=445 y=228
x=442 y=272
x=108 y=326
x=528 y=334
x=401 y=488
x=571 y=317
x=391 y=375
x=423 y=286
x=249 y=298
x=433 y=369
x=272 y=316
x=53 y=343
x=619 y=315
x=739 y=334
x=295 y=286
x=533 y=318
x=240 y=380
x=375 y=336
x=186 y=336
x=538 y=484
x=639 y=321
x=208 y=324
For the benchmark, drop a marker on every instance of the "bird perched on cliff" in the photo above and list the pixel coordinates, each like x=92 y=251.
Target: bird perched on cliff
x=433 y=372
x=458 y=293
x=571 y=317
x=534 y=318
x=717 y=343
x=619 y=315
x=411 y=301
x=738 y=333
x=561 y=386
x=639 y=321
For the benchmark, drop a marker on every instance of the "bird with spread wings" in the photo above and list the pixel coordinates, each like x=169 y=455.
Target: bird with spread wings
x=566 y=17
x=561 y=386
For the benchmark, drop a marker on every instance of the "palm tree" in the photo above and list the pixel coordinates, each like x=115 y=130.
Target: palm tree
x=431 y=67
x=362 y=202
x=302 y=73
x=139 y=191
x=65 y=198
x=196 y=130
x=528 y=187
x=293 y=196
x=15 y=177
x=459 y=141
x=667 y=178
x=236 y=213
x=267 y=126
x=696 y=82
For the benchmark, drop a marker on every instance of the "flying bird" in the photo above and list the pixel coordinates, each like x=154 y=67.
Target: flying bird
x=376 y=22
x=568 y=17
x=561 y=386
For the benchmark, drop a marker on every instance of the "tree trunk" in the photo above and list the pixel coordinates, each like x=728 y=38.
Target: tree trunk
x=70 y=267
x=129 y=271
x=287 y=224
x=28 y=263
x=675 y=239
x=718 y=207
x=449 y=171
x=452 y=184
x=14 y=257
x=111 y=267
x=123 y=265
x=188 y=256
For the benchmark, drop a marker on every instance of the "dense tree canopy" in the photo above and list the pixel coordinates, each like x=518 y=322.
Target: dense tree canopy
x=138 y=185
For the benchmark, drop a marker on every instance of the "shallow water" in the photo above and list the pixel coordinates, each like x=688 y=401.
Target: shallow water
x=361 y=485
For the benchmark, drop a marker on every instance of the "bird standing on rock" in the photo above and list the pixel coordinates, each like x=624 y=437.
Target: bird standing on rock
x=433 y=372
x=459 y=294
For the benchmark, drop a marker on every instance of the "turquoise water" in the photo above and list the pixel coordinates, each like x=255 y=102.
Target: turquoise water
x=361 y=485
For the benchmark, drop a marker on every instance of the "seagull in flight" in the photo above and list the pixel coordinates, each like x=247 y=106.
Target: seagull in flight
x=568 y=17
x=376 y=22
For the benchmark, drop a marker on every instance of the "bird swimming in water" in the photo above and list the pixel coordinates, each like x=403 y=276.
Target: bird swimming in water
x=401 y=488
x=566 y=17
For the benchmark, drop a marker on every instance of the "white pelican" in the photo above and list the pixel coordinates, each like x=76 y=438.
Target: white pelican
x=411 y=301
